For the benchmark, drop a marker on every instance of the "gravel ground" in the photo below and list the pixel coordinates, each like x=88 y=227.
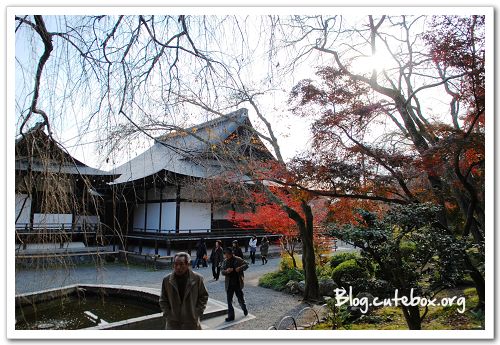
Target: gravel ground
x=267 y=305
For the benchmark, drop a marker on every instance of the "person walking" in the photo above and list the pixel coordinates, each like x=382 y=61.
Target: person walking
x=183 y=296
x=264 y=249
x=233 y=268
x=216 y=257
x=253 y=248
x=201 y=253
x=237 y=250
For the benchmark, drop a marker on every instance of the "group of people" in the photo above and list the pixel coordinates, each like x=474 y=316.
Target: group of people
x=216 y=257
x=264 y=249
x=184 y=296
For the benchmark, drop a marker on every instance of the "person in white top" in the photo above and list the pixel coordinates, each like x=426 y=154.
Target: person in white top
x=253 y=248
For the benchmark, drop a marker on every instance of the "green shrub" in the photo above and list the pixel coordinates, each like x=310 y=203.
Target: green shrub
x=338 y=317
x=278 y=280
x=407 y=248
x=324 y=272
x=337 y=259
x=349 y=273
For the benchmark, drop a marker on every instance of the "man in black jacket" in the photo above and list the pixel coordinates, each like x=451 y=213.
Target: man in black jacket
x=201 y=252
x=216 y=257
x=232 y=268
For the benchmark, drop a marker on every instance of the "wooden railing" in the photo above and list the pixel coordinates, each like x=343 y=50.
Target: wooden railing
x=206 y=233
x=62 y=233
x=191 y=236
x=100 y=233
x=51 y=228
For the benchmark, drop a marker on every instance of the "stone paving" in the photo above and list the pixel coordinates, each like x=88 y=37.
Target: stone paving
x=268 y=306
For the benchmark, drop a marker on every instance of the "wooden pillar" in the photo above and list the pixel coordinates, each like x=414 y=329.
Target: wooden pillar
x=79 y=200
x=145 y=207
x=159 y=218
x=34 y=204
x=61 y=237
x=114 y=205
x=27 y=236
x=177 y=208
x=161 y=206
x=130 y=224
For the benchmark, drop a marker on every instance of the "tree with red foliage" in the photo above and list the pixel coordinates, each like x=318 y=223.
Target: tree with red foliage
x=272 y=192
x=420 y=156
x=274 y=219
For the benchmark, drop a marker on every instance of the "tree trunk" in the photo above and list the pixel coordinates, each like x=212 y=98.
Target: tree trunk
x=305 y=226
x=311 y=291
x=476 y=276
x=288 y=246
x=412 y=317
x=479 y=283
x=294 y=262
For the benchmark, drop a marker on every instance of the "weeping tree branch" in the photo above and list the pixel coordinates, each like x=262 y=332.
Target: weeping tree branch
x=46 y=37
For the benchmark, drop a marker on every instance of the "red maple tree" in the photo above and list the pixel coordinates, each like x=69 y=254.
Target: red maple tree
x=272 y=218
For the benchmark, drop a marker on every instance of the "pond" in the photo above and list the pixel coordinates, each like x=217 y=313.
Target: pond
x=82 y=308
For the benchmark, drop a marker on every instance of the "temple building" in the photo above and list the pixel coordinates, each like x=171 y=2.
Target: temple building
x=166 y=190
x=178 y=190
x=55 y=191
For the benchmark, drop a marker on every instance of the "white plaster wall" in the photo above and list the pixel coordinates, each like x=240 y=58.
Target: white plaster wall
x=195 y=216
x=153 y=214
x=87 y=219
x=168 y=216
x=52 y=219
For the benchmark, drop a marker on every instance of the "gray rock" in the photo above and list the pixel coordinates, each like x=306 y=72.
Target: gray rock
x=292 y=287
x=369 y=297
x=354 y=311
x=302 y=286
x=327 y=287
x=366 y=295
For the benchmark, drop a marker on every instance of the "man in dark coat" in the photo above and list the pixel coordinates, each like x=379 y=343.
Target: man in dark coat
x=216 y=257
x=201 y=252
x=232 y=268
x=183 y=295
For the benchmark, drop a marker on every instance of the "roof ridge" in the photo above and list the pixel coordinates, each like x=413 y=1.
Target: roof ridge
x=242 y=112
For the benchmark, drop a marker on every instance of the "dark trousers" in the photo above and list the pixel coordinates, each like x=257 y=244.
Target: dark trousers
x=216 y=271
x=252 y=256
x=198 y=261
x=231 y=290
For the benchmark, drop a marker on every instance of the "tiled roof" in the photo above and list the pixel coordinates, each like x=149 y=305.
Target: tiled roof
x=184 y=152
